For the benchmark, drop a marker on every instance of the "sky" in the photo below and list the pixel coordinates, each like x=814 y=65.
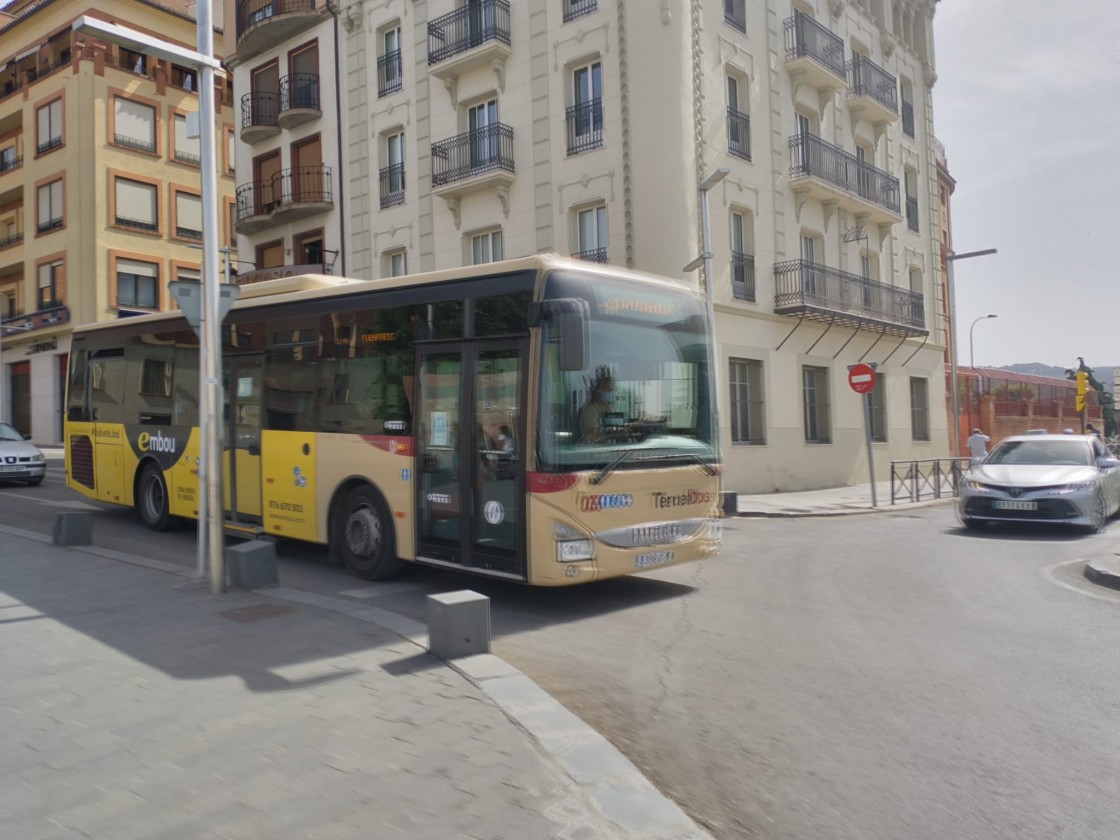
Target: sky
x=1027 y=103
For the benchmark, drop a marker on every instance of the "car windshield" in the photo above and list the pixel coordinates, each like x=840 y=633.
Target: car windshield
x=8 y=433
x=1071 y=453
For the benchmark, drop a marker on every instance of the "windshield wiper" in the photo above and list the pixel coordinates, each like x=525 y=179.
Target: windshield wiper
x=648 y=455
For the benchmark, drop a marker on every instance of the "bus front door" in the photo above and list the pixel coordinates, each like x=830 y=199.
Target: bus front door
x=241 y=455
x=471 y=471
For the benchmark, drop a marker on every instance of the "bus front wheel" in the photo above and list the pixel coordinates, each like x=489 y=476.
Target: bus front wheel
x=151 y=499
x=362 y=536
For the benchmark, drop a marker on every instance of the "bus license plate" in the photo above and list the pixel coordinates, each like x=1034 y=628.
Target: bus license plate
x=1007 y=504
x=652 y=558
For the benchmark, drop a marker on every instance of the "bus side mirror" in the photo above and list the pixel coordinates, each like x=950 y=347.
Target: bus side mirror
x=571 y=318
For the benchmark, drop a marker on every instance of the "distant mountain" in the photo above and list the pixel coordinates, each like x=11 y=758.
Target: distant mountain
x=1105 y=375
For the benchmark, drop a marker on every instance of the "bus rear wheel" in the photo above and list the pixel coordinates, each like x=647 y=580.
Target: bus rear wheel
x=361 y=535
x=152 y=504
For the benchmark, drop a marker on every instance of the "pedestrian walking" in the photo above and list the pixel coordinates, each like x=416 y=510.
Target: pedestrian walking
x=977 y=447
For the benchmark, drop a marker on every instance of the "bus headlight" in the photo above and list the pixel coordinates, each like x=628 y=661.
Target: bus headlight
x=571 y=544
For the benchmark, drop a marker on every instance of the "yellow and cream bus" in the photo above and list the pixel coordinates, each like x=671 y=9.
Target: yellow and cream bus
x=543 y=420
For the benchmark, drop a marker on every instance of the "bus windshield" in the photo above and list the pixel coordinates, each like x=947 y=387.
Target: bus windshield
x=646 y=386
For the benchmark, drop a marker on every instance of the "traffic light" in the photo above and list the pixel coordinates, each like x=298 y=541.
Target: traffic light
x=1082 y=390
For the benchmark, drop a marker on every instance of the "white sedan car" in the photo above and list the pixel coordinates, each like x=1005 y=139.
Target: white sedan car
x=20 y=460
x=1067 y=479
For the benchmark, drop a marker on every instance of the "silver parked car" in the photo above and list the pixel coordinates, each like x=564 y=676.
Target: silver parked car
x=20 y=460
x=1068 y=479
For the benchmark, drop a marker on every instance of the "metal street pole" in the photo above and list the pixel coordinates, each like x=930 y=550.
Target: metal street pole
x=972 y=359
x=709 y=300
x=954 y=384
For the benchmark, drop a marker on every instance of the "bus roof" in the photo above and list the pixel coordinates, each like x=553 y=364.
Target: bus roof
x=318 y=286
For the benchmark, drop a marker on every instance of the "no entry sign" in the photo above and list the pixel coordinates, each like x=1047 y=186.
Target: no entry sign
x=862 y=378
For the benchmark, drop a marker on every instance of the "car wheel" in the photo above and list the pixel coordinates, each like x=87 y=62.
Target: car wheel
x=1099 y=514
x=152 y=504
x=361 y=535
x=34 y=482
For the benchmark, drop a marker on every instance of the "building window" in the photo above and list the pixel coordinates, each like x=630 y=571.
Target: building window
x=746 y=402
x=919 y=408
x=8 y=308
x=134 y=62
x=191 y=274
x=231 y=145
x=395 y=263
x=389 y=64
x=392 y=176
x=270 y=255
x=188 y=216
x=742 y=256
x=910 y=178
x=50 y=278
x=309 y=249
x=185 y=149
x=486 y=247
x=585 y=116
x=134 y=124
x=735 y=13
x=916 y=280
x=907 y=107
x=137 y=284
x=49 y=120
x=50 y=206
x=879 y=409
x=184 y=78
x=738 y=122
x=136 y=205
x=591 y=234
x=9 y=159
x=814 y=392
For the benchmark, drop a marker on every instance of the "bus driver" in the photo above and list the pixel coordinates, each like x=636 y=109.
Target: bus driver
x=591 y=415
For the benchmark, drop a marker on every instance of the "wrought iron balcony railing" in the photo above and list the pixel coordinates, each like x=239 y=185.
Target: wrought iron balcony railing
x=49 y=225
x=467 y=27
x=10 y=163
x=598 y=255
x=260 y=108
x=48 y=144
x=299 y=185
x=136 y=224
x=472 y=153
x=866 y=78
x=187 y=157
x=823 y=293
x=137 y=143
x=392 y=185
x=299 y=90
x=9 y=241
x=813 y=157
x=742 y=276
x=807 y=38
x=578 y=8
x=253 y=12
x=735 y=14
x=912 y=213
x=585 y=126
x=738 y=134
x=907 y=118
x=187 y=232
x=390 y=76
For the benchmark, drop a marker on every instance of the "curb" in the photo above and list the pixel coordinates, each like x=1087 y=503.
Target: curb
x=1104 y=572
x=614 y=786
x=794 y=513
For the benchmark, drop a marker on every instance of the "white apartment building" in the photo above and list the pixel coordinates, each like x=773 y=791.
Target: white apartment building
x=486 y=129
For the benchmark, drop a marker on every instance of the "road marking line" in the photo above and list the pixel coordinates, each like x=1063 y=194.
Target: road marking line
x=1049 y=571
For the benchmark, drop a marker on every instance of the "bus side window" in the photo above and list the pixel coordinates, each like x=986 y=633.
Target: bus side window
x=77 y=394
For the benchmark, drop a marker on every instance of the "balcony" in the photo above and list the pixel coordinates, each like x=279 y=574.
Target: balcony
x=820 y=293
x=814 y=54
x=262 y=23
x=392 y=185
x=473 y=160
x=473 y=36
x=288 y=196
x=390 y=73
x=912 y=213
x=742 y=276
x=907 y=118
x=826 y=173
x=738 y=134
x=872 y=91
x=585 y=126
x=299 y=99
x=578 y=8
x=52 y=314
x=10 y=163
x=597 y=255
x=260 y=116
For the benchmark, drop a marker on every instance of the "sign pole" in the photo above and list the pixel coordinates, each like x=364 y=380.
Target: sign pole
x=870 y=456
x=861 y=378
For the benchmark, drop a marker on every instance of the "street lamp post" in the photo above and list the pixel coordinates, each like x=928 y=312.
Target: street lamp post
x=972 y=358
x=954 y=385
x=705 y=260
x=210 y=529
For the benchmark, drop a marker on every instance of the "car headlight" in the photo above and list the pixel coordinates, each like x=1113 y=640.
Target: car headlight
x=572 y=545
x=37 y=458
x=976 y=485
x=1076 y=487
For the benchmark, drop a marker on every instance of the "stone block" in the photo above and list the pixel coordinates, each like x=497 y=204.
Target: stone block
x=730 y=503
x=458 y=624
x=73 y=528
x=252 y=564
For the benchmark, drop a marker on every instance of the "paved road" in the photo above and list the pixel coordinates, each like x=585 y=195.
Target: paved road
x=868 y=677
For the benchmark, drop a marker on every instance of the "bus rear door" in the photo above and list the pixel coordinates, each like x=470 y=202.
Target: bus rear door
x=241 y=456
x=471 y=481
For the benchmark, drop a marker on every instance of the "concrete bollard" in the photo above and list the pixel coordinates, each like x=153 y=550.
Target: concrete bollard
x=458 y=624
x=73 y=528
x=730 y=503
x=252 y=564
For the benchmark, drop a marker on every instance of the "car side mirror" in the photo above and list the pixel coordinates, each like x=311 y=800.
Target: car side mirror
x=1107 y=463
